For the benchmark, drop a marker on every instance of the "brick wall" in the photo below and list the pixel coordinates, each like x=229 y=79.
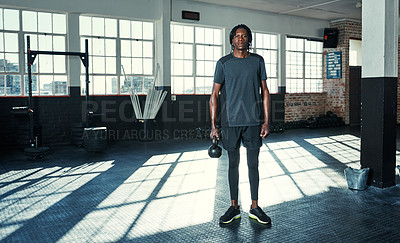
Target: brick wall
x=337 y=90
x=54 y=115
x=57 y=115
x=187 y=117
x=303 y=106
x=335 y=97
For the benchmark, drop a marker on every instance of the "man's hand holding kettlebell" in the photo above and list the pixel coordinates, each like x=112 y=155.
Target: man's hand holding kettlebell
x=214 y=132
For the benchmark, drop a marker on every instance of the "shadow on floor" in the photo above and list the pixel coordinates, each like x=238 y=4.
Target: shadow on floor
x=170 y=191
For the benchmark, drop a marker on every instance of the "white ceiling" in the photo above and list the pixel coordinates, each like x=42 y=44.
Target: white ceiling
x=317 y=9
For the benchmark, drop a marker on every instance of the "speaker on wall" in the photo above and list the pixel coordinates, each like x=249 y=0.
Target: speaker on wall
x=190 y=15
x=330 y=37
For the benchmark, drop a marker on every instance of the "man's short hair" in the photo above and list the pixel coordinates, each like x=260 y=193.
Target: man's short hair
x=249 y=35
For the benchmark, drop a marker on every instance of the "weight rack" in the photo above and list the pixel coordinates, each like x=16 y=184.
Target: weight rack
x=31 y=56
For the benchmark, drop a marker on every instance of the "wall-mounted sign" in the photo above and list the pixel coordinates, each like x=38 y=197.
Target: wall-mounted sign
x=334 y=65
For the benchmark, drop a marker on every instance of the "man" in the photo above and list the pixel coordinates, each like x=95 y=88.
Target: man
x=239 y=78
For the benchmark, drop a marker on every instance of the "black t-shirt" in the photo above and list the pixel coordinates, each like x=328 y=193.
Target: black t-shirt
x=241 y=102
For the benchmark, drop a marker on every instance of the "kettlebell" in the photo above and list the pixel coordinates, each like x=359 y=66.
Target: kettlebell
x=215 y=151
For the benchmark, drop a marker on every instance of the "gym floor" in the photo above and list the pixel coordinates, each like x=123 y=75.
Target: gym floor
x=171 y=191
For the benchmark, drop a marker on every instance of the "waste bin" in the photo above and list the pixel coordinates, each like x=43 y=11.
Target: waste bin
x=356 y=178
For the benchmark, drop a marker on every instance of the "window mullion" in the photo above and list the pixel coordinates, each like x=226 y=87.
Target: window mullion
x=194 y=63
x=21 y=43
x=304 y=66
x=118 y=61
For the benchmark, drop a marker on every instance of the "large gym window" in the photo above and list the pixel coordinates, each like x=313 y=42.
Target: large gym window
x=10 y=76
x=137 y=55
x=303 y=65
x=266 y=45
x=194 y=53
x=117 y=48
x=47 y=32
x=101 y=34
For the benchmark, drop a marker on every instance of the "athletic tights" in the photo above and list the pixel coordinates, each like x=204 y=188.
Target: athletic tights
x=233 y=172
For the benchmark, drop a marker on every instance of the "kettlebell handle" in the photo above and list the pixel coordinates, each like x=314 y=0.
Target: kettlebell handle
x=215 y=140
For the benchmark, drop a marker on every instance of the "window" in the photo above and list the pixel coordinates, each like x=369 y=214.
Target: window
x=137 y=55
x=117 y=47
x=101 y=34
x=10 y=77
x=355 y=52
x=266 y=46
x=303 y=65
x=194 y=53
x=47 y=32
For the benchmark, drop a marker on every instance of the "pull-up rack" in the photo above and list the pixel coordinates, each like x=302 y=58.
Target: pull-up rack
x=31 y=55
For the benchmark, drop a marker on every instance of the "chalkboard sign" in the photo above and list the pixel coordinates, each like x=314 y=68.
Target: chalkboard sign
x=334 y=65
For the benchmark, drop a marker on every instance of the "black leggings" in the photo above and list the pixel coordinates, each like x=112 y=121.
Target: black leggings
x=233 y=172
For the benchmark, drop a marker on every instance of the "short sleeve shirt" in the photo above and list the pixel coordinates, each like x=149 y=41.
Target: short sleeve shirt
x=241 y=100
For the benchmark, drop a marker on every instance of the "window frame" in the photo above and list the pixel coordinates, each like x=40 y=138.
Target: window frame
x=303 y=81
x=258 y=49
x=22 y=72
x=39 y=76
x=4 y=74
x=122 y=86
x=198 y=76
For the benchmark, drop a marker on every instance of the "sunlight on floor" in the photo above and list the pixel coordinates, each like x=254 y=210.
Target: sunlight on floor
x=176 y=190
x=344 y=148
x=176 y=212
x=42 y=188
x=397 y=158
x=289 y=172
x=170 y=191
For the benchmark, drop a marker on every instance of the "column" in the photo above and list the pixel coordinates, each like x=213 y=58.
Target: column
x=163 y=46
x=282 y=63
x=379 y=90
x=73 y=45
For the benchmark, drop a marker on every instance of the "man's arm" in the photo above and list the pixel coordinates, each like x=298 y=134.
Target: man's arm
x=214 y=109
x=265 y=101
